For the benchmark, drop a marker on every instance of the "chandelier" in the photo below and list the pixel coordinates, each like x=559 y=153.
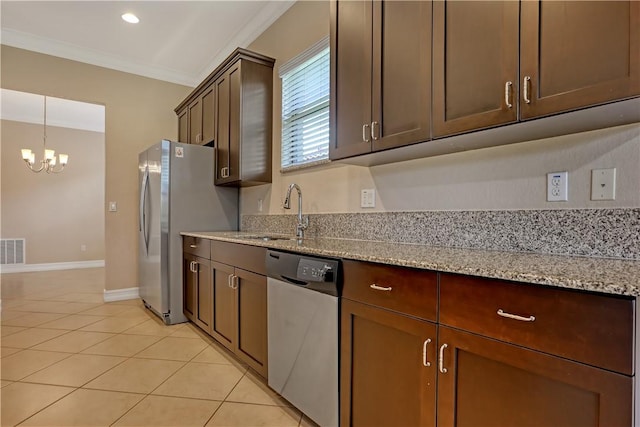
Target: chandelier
x=48 y=162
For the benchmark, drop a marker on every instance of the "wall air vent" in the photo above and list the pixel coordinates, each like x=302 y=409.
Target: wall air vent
x=12 y=251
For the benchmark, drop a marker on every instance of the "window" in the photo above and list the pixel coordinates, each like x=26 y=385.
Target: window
x=305 y=107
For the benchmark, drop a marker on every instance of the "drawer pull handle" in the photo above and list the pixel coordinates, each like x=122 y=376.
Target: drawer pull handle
x=441 y=359
x=515 y=316
x=425 y=362
x=365 y=133
x=526 y=84
x=380 y=288
x=193 y=246
x=507 y=94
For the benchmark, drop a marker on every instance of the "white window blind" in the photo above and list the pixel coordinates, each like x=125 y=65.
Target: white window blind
x=305 y=107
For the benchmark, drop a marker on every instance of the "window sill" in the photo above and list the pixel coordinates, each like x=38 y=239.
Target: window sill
x=304 y=166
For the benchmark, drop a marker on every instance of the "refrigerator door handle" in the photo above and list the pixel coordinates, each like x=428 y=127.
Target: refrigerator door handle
x=143 y=203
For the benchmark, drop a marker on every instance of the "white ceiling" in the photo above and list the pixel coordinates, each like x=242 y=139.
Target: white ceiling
x=176 y=41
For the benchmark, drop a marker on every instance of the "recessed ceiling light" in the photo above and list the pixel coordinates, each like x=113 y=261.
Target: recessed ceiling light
x=130 y=18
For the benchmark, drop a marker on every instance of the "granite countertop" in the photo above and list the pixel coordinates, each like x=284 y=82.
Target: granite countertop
x=611 y=276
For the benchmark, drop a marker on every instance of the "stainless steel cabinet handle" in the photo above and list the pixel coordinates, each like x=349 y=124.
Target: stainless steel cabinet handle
x=229 y=280
x=380 y=288
x=234 y=282
x=374 y=133
x=365 y=133
x=425 y=362
x=526 y=84
x=193 y=267
x=224 y=172
x=199 y=137
x=441 y=359
x=507 y=94
x=502 y=313
x=193 y=246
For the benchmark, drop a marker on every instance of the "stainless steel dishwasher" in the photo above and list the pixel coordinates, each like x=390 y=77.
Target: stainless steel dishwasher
x=302 y=311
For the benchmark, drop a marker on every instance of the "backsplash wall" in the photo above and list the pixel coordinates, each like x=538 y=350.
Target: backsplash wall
x=610 y=233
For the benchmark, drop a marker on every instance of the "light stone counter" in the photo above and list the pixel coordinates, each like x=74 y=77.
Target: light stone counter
x=611 y=276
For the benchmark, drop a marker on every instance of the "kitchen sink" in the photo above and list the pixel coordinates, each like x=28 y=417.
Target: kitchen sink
x=268 y=238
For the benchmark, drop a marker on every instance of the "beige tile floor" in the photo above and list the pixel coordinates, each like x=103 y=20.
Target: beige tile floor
x=68 y=359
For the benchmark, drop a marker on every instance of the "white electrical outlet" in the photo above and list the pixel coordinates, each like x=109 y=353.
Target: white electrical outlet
x=113 y=206
x=557 y=187
x=368 y=198
x=603 y=184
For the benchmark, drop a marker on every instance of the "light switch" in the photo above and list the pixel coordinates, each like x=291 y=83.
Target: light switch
x=113 y=206
x=368 y=198
x=603 y=184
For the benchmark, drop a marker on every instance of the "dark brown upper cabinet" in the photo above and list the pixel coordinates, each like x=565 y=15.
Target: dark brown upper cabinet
x=380 y=75
x=570 y=55
x=196 y=121
x=244 y=98
x=237 y=97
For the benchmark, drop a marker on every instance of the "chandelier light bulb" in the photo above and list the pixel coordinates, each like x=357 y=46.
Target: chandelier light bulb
x=49 y=154
x=64 y=159
x=52 y=162
x=26 y=154
x=32 y=158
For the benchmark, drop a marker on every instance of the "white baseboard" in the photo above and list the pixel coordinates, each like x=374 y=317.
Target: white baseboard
x=121 y=294
x=27 y=268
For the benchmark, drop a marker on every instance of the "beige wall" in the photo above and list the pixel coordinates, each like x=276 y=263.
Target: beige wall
x=139 y=112
x=508 y=177
x=56 y=213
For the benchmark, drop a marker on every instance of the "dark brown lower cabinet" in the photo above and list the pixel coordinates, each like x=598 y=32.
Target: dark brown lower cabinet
x=240 y=313
x=224 y=305
x=251 y=303
x=388 y=368
x=198 y=296
x=485 y=382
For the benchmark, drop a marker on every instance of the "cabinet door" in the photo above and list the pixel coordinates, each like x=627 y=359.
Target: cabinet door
x=190 y=286
x=224 y=302
x=183 y=126
x=578 y=53
x=384 y=380
x=489 y=382
x=401 y=73
x=222 y=128
x=475 y=57
x=204 y=316
x=351 y=45
x=235 y=139
x=195 y=122
x=208 y=101
x=251 y=345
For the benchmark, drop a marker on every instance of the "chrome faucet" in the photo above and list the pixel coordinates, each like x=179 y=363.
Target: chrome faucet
x=303 y=222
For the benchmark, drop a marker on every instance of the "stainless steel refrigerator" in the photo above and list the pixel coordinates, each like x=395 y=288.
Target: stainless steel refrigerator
x=176 y=194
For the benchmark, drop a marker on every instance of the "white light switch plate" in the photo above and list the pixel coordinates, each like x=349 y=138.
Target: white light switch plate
x=603 y=184
x=113 y=206
x=368 y=198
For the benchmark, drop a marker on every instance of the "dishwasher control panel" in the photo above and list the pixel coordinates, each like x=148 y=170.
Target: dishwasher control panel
x=314 y=271
x=318 y=274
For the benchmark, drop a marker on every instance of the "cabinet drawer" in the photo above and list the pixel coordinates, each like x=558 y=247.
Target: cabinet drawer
x=196 y=246
x=590 y=328
x=246 y=257
x=406 y=290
